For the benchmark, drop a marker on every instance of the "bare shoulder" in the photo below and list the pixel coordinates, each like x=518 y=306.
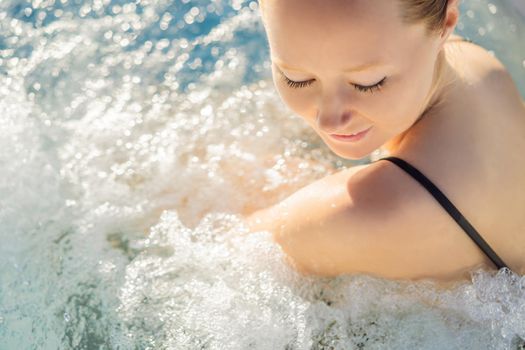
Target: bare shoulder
x=477 y=56
x=487 y=77
x=375 y=220
x=480 y=66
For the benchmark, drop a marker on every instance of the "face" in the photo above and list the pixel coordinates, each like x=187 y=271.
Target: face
x=347 y=66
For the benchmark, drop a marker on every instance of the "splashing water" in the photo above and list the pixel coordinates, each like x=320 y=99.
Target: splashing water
x=134 y=136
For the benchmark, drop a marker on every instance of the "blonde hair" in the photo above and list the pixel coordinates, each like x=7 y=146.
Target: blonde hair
x=430 y=12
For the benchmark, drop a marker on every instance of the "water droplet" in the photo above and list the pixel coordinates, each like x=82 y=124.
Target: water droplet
x=189 y=18
x=116 y=9
x=41 y=16
x=84 y=10
x=207 y=111
x=237 y=5
x=194 y=11
x=196 y=63
x=183 y=43
x=124 y=42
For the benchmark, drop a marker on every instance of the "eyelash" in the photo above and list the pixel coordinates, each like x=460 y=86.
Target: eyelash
x=302 y=84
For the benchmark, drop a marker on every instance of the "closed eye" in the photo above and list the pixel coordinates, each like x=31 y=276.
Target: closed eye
x=306 y=83
x=297 y=84
x=370 y=88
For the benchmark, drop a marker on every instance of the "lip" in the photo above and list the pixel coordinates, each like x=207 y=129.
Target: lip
x=351 y=138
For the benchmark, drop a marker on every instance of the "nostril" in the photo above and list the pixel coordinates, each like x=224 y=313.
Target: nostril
x=346 y=117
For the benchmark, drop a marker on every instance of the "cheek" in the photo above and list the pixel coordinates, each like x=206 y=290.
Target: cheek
x=407 y=96
x=422 y=74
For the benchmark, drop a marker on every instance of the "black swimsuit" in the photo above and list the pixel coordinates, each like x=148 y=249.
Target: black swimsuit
x=447 y=204
x=450 y=208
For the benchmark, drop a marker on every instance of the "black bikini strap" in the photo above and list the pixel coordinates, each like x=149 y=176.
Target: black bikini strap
x=450 y=208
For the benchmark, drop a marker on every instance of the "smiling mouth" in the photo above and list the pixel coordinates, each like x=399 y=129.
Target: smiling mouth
x=352 y=137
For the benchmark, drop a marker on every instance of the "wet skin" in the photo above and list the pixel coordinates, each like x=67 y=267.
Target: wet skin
x=447 y=107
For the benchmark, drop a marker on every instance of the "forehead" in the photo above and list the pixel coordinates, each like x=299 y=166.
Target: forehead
x=310 y=31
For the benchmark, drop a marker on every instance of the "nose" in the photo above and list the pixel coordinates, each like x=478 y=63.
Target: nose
x=333 y=114
x=333 y=122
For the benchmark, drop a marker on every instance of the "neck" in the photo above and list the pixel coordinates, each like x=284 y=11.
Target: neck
x=444 y=78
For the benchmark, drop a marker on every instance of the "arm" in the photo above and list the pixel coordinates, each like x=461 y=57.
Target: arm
x=372 y=219
x=279 y=219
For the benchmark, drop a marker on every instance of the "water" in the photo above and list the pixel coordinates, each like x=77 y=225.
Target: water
x=134 y=136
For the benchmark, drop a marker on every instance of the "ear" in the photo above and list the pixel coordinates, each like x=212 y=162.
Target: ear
x=451 y=20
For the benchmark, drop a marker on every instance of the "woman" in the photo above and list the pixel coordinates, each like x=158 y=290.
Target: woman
x=390 y=74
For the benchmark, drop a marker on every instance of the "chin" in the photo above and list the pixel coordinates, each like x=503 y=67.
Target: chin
x=351 y=154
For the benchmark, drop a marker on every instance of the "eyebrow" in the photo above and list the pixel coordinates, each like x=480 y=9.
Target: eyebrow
x=359 y=68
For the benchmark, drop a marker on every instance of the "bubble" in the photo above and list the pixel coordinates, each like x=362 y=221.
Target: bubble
x=206 y=111
x=237 y=4
x=194 y=11
x=196 y=63
x=116 y=9
x=124 y=42
x=165 y=21
x=162 y=44
x=84 y=10
x=188 y=18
